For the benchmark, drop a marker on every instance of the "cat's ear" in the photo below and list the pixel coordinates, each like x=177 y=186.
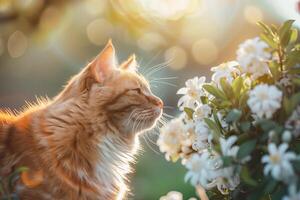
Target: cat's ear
x=130 y=64
x=104 y=64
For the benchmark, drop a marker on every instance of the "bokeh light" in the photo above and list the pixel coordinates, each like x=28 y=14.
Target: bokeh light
x=98 y=31
x=205 y=51
x=17 y=44
x=150 y=41
x=176 y=57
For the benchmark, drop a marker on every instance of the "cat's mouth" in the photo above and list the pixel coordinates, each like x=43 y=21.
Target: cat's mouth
x=146 y=120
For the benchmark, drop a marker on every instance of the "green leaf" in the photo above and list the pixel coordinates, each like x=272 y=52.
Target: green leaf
x=246 y=177
x=237 y=86
x=270 y=186
x=294 y=71
x=214 y=91
x=295 y=100
x=15 y=175
x=267 y=125
x=245 y=126
x=287 y=106
x=204 y=99
x=266 y=28
x=292 y=58
x=227 y=89
x=233 y=116
x=274 y=68
x=285 y=32
x=227 y=161
x=246 y=149
x=294 y=35
x=243 y=99
x=189 y=112
x=296 y=81
x=214 y=127
x=269 y=40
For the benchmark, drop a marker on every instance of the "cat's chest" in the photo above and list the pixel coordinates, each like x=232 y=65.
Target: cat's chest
x=115 y=156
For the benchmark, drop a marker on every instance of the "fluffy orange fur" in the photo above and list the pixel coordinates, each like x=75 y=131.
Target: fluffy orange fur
x=80 y=144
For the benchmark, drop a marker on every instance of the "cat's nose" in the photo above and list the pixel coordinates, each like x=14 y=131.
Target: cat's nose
x=158 y=102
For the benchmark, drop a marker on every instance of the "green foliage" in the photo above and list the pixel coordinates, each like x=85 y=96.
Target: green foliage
x=189 y=112
x=246 y=149
x=7 y=184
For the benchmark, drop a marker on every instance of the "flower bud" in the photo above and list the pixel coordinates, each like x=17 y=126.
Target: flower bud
x=286 y=136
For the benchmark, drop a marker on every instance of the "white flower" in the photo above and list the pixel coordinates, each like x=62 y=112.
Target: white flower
x=173 y=195
x=293 y=193
x=226 y=70
x=252 y=57
x=201 y=112
x=278 y=161
x=199 y=166
x=171 y=137
x=203 y=136
x=264 y=100
x=191 y=93
x=227 y=146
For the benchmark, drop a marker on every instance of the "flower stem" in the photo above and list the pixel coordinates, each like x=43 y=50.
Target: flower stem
x=201 y=192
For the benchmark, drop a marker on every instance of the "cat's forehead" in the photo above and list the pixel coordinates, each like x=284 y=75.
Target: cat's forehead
x=130 y=80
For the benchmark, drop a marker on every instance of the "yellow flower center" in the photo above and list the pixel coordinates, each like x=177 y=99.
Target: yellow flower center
x=263 y=96
x=275 y=158
x=192 y=93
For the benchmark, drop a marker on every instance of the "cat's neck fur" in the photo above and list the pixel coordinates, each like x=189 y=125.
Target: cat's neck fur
x=85 y=149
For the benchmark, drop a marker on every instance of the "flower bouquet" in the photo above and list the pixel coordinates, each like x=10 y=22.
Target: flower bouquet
x=238 y=135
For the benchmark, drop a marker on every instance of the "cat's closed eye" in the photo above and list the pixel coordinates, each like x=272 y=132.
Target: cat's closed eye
x=138 y=90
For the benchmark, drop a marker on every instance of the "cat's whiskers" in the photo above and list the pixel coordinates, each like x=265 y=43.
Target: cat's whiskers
x=158 y=67
x=168 y=116
x=145 y=67
x=162 y=82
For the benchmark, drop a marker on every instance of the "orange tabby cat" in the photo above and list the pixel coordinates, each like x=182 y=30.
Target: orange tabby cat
x=80 y=145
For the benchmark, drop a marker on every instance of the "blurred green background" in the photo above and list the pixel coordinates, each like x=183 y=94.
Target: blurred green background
x=44 y=42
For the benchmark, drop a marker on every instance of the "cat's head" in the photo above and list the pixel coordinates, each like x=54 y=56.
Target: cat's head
x=117 y=93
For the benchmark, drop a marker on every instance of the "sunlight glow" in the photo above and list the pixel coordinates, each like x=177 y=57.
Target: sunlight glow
x=169 y=9
x=253 y=14
x=98 y=31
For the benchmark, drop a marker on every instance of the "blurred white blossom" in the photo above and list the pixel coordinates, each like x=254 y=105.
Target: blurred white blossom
x=203 y=136
x=171 y=137
x=252 y=56
x=278 y=162
x=286 y=136
x=173 y=195
x=293 y=193
x=264 y=100
x=226 y=180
